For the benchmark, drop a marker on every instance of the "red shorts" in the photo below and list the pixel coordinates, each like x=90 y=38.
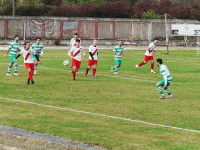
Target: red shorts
x=29 y=65
x=92 y=62
x=147 y=58
x=76 y=63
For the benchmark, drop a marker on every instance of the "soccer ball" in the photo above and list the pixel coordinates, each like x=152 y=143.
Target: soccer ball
x=66 y=63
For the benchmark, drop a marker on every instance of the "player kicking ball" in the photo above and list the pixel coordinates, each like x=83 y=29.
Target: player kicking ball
x=118 y=50
x=167 y=79
x=28 y=60
x=93 y=54
x=75 y=52
x=149 y=55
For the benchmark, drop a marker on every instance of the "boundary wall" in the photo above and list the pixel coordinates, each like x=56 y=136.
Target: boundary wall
x=60 y=30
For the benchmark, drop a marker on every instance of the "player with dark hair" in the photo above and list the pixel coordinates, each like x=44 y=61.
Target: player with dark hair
x=72 y=44
x=28 y=60
x=13 y=48
x=75 y=52
x=39 y=50
x=118 y=51
x=149 y=55
x=93 y=54
x=167 y=79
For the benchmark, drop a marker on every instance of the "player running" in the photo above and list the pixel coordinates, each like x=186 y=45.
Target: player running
x=118 y=50
x=93 y=54
x=167 y=79
x=149 y=55
x=28 y=60
x=39 y=50
x=75 y=52
x=73 y=43
x=13 y=48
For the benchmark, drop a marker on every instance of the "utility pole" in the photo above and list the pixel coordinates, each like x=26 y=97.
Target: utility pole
x=166 y=33
x=13 y=8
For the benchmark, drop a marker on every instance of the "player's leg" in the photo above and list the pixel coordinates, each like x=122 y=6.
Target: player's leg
x=94 y=71
x=35 y=66
x=32 y=71
x=158 y=85
x=74 y=72
x=168 y=91
x=10 y=65
x=146 y=59
x=28 y=67
x=94 y=68
x=115 y=67
x=152 y=64
x=90 y=63
x=16 y=68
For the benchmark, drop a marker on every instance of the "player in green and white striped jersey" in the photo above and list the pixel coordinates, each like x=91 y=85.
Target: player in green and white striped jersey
x=167 y=79
x=13 y=48
x=39 y=50
x=118 y=50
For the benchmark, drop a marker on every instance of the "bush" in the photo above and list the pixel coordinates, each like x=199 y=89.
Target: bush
x=150 y=14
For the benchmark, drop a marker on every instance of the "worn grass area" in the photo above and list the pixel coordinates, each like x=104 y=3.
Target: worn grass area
x=125 y=97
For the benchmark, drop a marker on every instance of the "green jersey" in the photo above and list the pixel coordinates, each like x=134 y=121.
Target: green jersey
x=14 y=47
x=118 y=49
x=165 y=73
x=38 y=48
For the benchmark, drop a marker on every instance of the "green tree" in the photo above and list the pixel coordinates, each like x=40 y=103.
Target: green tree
x=150 y=14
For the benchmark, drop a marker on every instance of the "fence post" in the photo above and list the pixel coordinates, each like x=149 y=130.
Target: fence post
x=113 y=30
x=61 y=29
x=79 y=29
x=6 y=29
x=43 y=30
x=96 y=30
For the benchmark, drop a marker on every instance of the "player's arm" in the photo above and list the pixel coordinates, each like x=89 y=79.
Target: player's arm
x=17 y=57
x=122 y=53
x=70 y=46
x=165 y=77
x=149 y=49
x=83 y=54
x=38 y=60
x=7 y=53
x=42 y=52
x=90 y=53
x=71 y=52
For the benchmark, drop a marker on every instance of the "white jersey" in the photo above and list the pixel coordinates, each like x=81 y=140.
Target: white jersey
x=77 y=52
x=28 y=55
x=152 y=46
x=73 y=43
x=94 y=50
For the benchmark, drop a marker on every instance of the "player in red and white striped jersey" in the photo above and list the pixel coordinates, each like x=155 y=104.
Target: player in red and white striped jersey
x=28 y=60
x=73 y=43
x=75 y=52
x=149 y=55
x=93 y=58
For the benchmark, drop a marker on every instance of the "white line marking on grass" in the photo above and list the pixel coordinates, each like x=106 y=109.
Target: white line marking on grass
x=102 y=115
x=111 y=76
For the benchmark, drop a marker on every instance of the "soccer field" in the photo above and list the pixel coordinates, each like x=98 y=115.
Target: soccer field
x=112 y=111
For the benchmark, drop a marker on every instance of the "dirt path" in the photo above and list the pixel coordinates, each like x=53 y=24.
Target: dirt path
x=19 y=139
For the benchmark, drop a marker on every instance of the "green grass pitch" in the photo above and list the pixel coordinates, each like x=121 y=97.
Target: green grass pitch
x=133 y=97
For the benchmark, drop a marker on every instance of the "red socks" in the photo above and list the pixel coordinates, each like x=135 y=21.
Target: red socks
x=30 y=75
x=94 y=71
x=74 y=74
x=152 y=66
x=142 y=63
x=71 y=66
x=87 y=70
